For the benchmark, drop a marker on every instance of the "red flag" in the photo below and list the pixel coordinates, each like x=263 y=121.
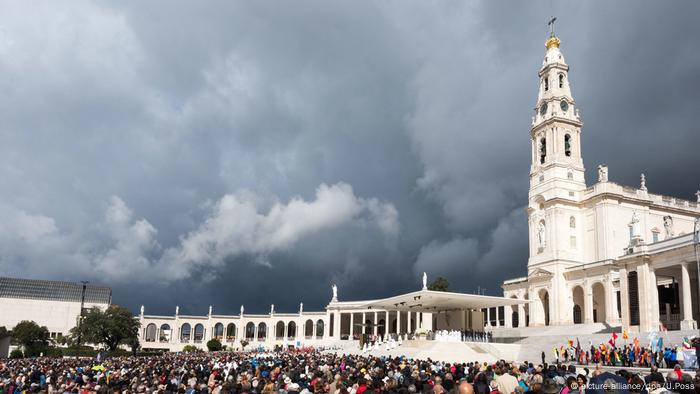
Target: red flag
x=614 y=336
x=612 y=343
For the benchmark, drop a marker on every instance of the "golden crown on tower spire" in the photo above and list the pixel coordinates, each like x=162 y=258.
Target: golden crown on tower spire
x=552 y=42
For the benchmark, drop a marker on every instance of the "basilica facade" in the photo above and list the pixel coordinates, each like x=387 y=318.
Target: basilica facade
x=602 y=252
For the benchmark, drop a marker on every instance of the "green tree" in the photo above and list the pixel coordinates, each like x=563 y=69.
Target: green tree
x=3 y=332
x=190 y=349
x=110 y=328
x=439 y=284
x=31 y=336
x=214 y=345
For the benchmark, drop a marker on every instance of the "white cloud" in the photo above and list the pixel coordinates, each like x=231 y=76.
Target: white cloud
x=122 y=248
x=238 y=227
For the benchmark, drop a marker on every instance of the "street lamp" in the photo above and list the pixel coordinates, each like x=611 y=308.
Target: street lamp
x=80 y=317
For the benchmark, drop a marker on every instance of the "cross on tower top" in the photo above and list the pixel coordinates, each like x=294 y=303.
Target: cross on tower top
x=551 y=26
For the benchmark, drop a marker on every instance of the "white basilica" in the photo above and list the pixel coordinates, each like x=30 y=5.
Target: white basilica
x=600 y=253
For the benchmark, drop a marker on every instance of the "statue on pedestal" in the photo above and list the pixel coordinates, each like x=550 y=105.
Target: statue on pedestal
x=272 y=309
x=636 y=232
x=602 y=173
x=301 y=307
x=335 y=291
x=425 y=281
x=242 y=309
x=643 y=183
x=668 y=226
x=541 y=235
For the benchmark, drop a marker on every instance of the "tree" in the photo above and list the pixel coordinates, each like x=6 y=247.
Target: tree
x=439 y=284
x=112 y=327
x=33 y=338
x=244 y=343
x=190 y=349
x=214 y=345
x=3 y=332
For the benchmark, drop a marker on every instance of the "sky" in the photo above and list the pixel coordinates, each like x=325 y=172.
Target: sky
x=232 y=153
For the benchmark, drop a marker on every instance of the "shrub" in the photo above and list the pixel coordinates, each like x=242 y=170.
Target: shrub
x=16 y=354
x=190 y=349
x=214 y=345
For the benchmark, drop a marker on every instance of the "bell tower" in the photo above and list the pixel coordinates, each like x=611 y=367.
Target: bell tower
x=555 y=134
x=556 y=186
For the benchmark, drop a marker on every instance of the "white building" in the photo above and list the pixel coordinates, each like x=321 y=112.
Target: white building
x=49 y=303
x=422 y=310
x=604 y=252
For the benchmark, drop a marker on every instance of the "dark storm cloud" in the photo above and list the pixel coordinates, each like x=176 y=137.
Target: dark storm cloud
x=255 y=152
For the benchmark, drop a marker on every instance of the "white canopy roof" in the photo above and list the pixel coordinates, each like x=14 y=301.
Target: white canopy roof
x=440 y=301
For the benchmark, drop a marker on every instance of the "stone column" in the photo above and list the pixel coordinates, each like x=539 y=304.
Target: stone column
x=387 y=324
x=488 y=317
x=587 y=302
x=687 y=323
x=498 y=317
x=654 y=300
x=508 y=318
x=376 y=322
x=624 y=298
x=646 y=322
x=337 y=317
x=521 y=315
x=352 y=326
x=398 y=322
x=408 y=322
x=611 y=307
x=364 y=320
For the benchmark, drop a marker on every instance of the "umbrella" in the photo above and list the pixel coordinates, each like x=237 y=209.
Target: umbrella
x=607 y=383
x=98 y=368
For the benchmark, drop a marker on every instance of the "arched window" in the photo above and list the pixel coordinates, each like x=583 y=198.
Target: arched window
x=561 y=80
x=218 y=330
x=262 y=331
x=546 y=84
x=185 y=332
x=198 y=333
x=567 y=145
x=250 y=331
x=543 y=150
x=309 y=329
x=151 y=333
x=291 y=330
x=231 y=332
x=572 y=222
x=279 y=330
x=319 y=328
x=165 y=333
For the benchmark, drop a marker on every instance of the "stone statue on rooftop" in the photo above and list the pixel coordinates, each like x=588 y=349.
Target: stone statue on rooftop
x=425 y=281
x=602 y=173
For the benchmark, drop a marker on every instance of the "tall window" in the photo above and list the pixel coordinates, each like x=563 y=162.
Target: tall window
x=572 y=222
x=543 y=150
x=567 y=145
x=561 y=80
x=546 y=84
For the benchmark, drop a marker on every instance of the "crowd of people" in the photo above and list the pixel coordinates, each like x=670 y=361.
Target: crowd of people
x=631 y=354
x=291 y=372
